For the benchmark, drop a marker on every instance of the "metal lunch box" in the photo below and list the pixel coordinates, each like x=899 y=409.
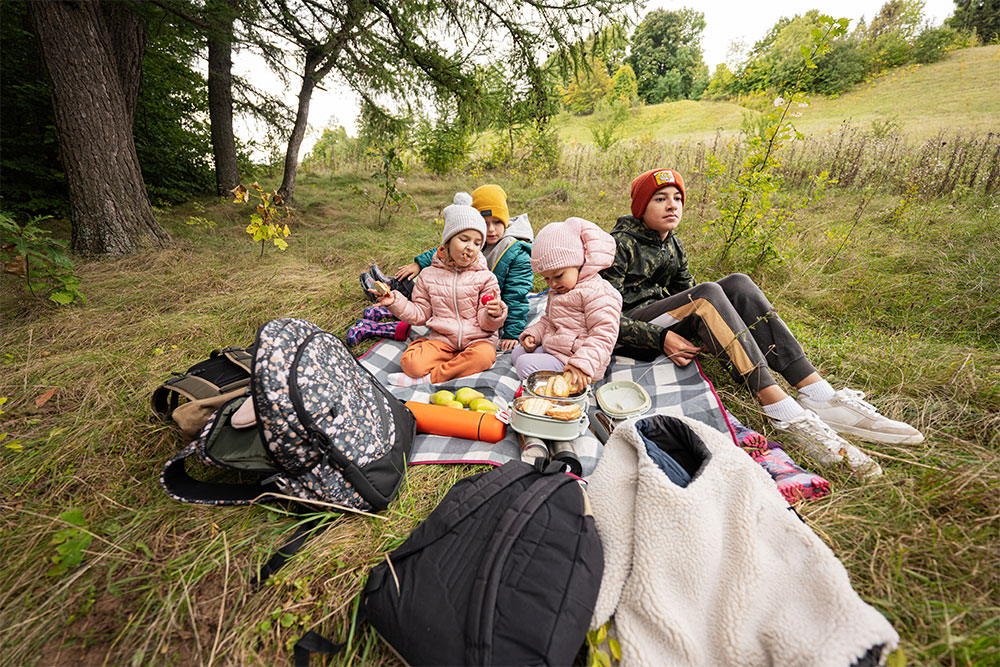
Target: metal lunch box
x=547 y=428
x=536 y=383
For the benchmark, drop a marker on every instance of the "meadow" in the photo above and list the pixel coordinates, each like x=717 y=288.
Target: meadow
x=890 y=280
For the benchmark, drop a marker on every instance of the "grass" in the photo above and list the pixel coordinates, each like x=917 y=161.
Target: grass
x=909 y=97
x=900 y=301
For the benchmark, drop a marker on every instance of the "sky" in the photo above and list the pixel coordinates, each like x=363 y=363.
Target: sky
x=726 y=21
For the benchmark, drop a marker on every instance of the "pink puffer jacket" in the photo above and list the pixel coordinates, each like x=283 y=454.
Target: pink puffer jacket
x=448 y=300
x=580 y=327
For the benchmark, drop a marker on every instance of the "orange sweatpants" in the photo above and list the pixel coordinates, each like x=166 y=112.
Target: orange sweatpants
x=444 y=362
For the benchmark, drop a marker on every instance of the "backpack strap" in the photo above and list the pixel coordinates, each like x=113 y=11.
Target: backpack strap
x=240 y=356
x=313 y=642
x=180 y=485
x=482 y=600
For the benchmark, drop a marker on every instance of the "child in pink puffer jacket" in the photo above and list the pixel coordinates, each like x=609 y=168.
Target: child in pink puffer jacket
x=448 y=296
x=580 y=326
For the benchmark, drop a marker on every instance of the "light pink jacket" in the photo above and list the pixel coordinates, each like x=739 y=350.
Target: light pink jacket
x=580 y=327
x=448 y=300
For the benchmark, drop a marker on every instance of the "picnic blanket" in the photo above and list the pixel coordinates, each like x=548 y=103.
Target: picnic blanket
x=673 y=390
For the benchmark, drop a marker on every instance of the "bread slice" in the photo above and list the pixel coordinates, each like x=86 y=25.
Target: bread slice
x=564 y=412
x=535 y=406
x=557 y=386
x=381 y=289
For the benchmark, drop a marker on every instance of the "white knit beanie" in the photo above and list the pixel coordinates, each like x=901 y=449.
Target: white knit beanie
x=460 y=216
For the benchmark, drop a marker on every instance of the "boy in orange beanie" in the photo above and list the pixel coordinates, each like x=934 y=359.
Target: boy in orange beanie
x=664 y=307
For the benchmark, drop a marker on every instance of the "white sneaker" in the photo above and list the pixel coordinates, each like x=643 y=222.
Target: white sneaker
x=824 y=445
x=847 y=413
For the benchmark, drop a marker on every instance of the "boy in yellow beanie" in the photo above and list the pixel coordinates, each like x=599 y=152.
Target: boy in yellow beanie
x=508 y=255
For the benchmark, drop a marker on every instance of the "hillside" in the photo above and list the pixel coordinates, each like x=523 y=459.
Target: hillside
x=959 y=93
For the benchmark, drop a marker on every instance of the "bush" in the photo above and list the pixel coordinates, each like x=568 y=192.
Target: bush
x=933 y=43
x=444 y=145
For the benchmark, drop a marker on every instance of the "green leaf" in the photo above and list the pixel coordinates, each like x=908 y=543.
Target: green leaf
x=616 y=649
x=62 y=297
x=74 y=517
x=287 y=619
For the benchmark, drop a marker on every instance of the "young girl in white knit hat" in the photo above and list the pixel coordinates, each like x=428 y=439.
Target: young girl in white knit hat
x=458 y=298
x=578 y=331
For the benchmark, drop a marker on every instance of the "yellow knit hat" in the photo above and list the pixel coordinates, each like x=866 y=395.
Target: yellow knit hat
x=491 y=200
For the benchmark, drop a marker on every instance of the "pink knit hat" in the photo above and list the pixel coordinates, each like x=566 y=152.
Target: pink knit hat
x=557 y=246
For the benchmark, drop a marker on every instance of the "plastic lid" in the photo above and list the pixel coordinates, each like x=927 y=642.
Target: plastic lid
x=623 y=399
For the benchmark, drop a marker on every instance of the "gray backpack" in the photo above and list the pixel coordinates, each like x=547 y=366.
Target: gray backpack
x=326 y=429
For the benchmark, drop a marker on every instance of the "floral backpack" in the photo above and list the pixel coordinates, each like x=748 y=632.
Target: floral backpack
x=325 y=431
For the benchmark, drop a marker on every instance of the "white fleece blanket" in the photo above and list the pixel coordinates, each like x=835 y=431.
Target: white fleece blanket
x=720 y=572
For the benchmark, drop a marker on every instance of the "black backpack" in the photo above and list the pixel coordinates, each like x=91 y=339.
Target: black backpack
x=326 y=429
x=505 y=571
x=224 y=371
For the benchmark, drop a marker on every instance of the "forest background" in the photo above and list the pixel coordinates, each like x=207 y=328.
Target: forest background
x=852 y=170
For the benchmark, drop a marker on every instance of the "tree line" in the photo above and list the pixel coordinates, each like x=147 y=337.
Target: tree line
x=110 y=107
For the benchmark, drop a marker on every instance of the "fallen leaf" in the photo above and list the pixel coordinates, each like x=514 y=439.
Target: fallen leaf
x=44 y=398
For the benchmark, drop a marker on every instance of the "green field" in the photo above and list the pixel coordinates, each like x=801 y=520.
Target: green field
x=912 y=97
x=892 y=290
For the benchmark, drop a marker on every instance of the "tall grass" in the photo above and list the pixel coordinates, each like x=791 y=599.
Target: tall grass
x=897 y=300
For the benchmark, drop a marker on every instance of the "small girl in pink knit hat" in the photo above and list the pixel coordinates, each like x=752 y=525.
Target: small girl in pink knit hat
x=580 y=327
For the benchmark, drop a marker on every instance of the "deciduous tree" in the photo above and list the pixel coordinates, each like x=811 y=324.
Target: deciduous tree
x=92 y=53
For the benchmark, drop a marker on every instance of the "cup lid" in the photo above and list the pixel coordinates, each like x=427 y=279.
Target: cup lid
x=622 y=399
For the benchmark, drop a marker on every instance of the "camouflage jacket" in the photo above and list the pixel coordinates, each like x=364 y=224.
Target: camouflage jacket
x=645 y=270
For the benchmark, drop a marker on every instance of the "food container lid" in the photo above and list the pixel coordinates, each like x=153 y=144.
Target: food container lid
x=622 y=399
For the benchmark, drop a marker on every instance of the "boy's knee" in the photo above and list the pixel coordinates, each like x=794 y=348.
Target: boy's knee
x=711 y=292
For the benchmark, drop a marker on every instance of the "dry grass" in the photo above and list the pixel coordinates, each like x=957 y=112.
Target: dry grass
x=906 y=311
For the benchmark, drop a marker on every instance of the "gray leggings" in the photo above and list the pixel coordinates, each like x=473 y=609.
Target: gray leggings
x=734 y=319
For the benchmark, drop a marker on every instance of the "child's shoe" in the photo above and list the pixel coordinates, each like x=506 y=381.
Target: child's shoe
x=847 y=413
x=368 y=285
x=793 y=482
x=364 y=329
x=377 y=314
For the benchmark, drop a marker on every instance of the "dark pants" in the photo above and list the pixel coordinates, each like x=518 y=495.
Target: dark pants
x=735 y=321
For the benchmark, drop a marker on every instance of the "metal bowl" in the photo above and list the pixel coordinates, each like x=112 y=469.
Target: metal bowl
x=536 y=383
x=544 y=427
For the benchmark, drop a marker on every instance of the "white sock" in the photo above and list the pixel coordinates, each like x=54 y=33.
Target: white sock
x=786 y=409
x=404 y=380
x=818 y=391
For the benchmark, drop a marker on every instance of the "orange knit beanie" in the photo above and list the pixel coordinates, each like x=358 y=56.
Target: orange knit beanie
x=649 y=182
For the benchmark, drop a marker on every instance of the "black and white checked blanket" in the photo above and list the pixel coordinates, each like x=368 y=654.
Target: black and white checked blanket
x=673 y=390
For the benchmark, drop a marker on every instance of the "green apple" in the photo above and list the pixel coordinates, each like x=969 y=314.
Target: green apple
x=453 y=404
x=483 y=405
x=467 y=394
x=442 y=397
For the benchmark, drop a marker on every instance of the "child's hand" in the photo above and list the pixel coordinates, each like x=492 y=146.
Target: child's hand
x=528 y=343
x=494 y=308
x=507 y=344
x=386 y=300
x=578 y=380
x=679 y=349
x=407 y=272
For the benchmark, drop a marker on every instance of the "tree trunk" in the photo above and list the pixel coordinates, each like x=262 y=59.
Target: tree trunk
x=87 y=65
x=311 y=75
x=220 y=94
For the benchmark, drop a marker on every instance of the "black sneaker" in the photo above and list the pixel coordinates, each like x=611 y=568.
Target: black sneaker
x=377 y=274
x=368 y=285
